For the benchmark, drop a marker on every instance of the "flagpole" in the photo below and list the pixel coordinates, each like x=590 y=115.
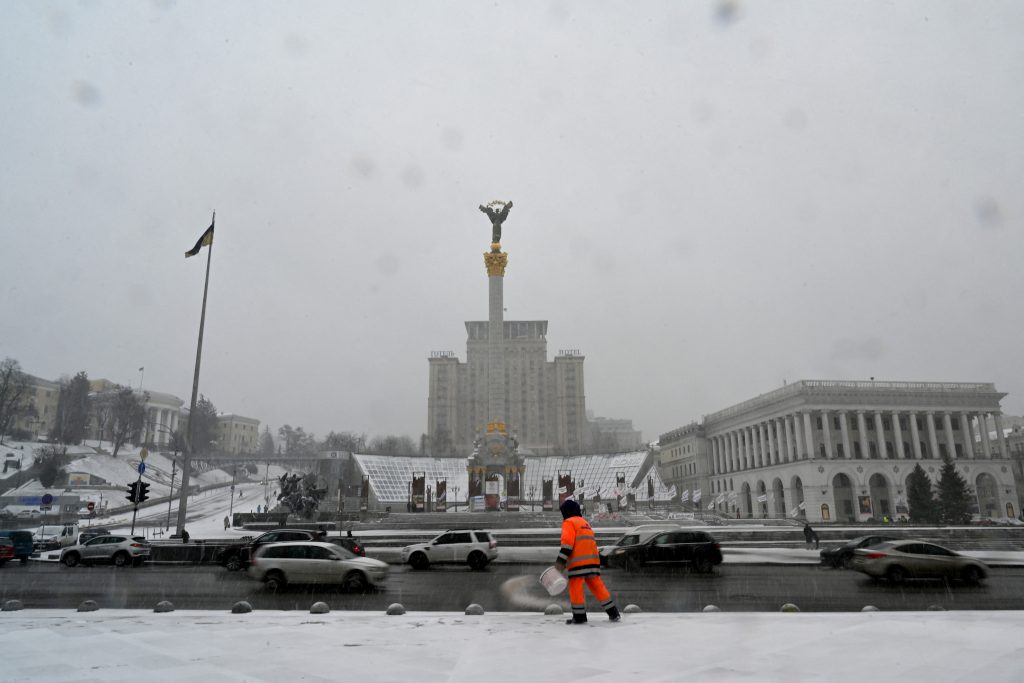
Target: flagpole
x=186 y=463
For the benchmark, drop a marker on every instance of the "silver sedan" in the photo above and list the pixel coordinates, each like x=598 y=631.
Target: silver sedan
x=897 y=561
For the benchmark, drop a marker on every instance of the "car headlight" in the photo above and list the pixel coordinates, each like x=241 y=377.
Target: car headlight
x=619 y=551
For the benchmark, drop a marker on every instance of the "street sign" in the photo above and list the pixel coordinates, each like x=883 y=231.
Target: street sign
x=47 y=499
x=91 y=506
x=142 y=468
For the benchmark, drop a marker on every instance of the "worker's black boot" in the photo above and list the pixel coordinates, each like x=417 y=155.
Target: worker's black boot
x=577 y=619
x=613 y=613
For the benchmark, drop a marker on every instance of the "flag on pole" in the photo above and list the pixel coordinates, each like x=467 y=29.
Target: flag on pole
x=711 y=505
x=205 y=240
x=685 y=496
x=762 y=498
x=142 y=368
x=696 y=495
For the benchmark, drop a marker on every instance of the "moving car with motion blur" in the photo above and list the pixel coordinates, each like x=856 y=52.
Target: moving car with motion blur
x=695 y=549
x=897 y=561
x=6 y=550
x=635 y=536
x=463 y=546
x=314 y=562
x=21 y=540
x=237 y=555
x=842 y=555
x=118 y=550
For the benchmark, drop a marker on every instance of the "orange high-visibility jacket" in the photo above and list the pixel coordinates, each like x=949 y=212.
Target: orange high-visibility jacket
x=579 y=548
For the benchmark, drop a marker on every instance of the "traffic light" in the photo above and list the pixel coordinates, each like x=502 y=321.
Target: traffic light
x=143 y=491
x=133 y=492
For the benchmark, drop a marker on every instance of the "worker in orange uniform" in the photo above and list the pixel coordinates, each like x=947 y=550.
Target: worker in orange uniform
x=579 y=559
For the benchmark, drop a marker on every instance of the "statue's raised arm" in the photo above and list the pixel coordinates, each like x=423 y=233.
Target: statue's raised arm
x=496 y=211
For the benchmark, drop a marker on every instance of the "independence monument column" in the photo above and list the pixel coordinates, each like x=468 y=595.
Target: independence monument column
x=495 y=261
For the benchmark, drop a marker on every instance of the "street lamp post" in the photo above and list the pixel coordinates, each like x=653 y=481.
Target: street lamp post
x=231 y=508
x=456 y=501
x=532 y=490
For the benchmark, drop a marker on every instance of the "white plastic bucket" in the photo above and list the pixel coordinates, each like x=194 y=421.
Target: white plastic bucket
x=553 y=581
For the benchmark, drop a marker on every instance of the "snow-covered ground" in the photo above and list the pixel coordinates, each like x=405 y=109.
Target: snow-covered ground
x=202 y=646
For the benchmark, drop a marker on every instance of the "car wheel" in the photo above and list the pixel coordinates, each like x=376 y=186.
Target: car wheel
x=702 y=564
x=122 y=559
x=275 y=581
x=234 y=563
x=896 y=574
x=972 y=574
x=355 y=582
x=419 y=561
x=24 y=560
x=71 y=560
x=477 y=560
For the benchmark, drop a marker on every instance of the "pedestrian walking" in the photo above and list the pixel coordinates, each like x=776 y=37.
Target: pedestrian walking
x=578 y=557
x=810 y=536
x=226 y=522
x=184 y=535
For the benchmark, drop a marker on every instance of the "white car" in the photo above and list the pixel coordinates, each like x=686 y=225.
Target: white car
x=313 y=562
x=464 y=546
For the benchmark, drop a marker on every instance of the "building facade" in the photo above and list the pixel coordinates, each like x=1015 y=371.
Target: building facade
x=507 y=378
x=841 y=451
x=237 y=434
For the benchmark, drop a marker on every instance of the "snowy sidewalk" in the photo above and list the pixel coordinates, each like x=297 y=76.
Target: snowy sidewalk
x=124 y=645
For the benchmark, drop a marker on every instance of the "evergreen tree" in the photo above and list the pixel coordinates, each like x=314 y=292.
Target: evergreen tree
x=266 y=447
x=954 y=504
x=72 y=410
x=204 y=428
x=51 y=461
x=920 y=498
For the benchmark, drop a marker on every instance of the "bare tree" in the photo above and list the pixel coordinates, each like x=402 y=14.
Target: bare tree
x=127 y=415
x=344 y=441
x=391 y=445
x=15 y=395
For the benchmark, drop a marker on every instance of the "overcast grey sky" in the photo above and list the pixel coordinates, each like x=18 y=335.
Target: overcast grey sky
x=710 y=198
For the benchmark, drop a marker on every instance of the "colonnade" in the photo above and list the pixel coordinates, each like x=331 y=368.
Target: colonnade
x=857 y=434
x=157 y=423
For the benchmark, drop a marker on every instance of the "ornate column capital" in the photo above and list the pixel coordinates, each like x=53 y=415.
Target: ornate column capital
x=495 y=261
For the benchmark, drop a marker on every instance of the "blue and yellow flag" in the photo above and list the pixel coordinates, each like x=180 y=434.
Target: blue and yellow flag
x=205 y=240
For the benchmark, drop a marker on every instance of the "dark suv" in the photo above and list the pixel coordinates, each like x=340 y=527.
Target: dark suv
x=696 y=549
x=237 y=556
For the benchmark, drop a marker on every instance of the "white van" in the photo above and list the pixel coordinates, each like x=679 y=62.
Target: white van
x=54 y=536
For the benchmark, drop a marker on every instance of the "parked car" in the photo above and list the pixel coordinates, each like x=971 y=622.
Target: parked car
x=696 y=549
x=842 y=555
x=22 y=540
x=236 y=556
x=6 y=550
x=118 y=550
x=314 y=562
x=92 y=532
x=635 y=536
x=897 y=561
x=461 y=546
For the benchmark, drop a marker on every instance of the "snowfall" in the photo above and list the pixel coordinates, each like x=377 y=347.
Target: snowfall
x=533 y=647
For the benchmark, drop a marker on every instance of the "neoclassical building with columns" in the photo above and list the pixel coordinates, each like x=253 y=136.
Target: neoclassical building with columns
x=841 y=451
